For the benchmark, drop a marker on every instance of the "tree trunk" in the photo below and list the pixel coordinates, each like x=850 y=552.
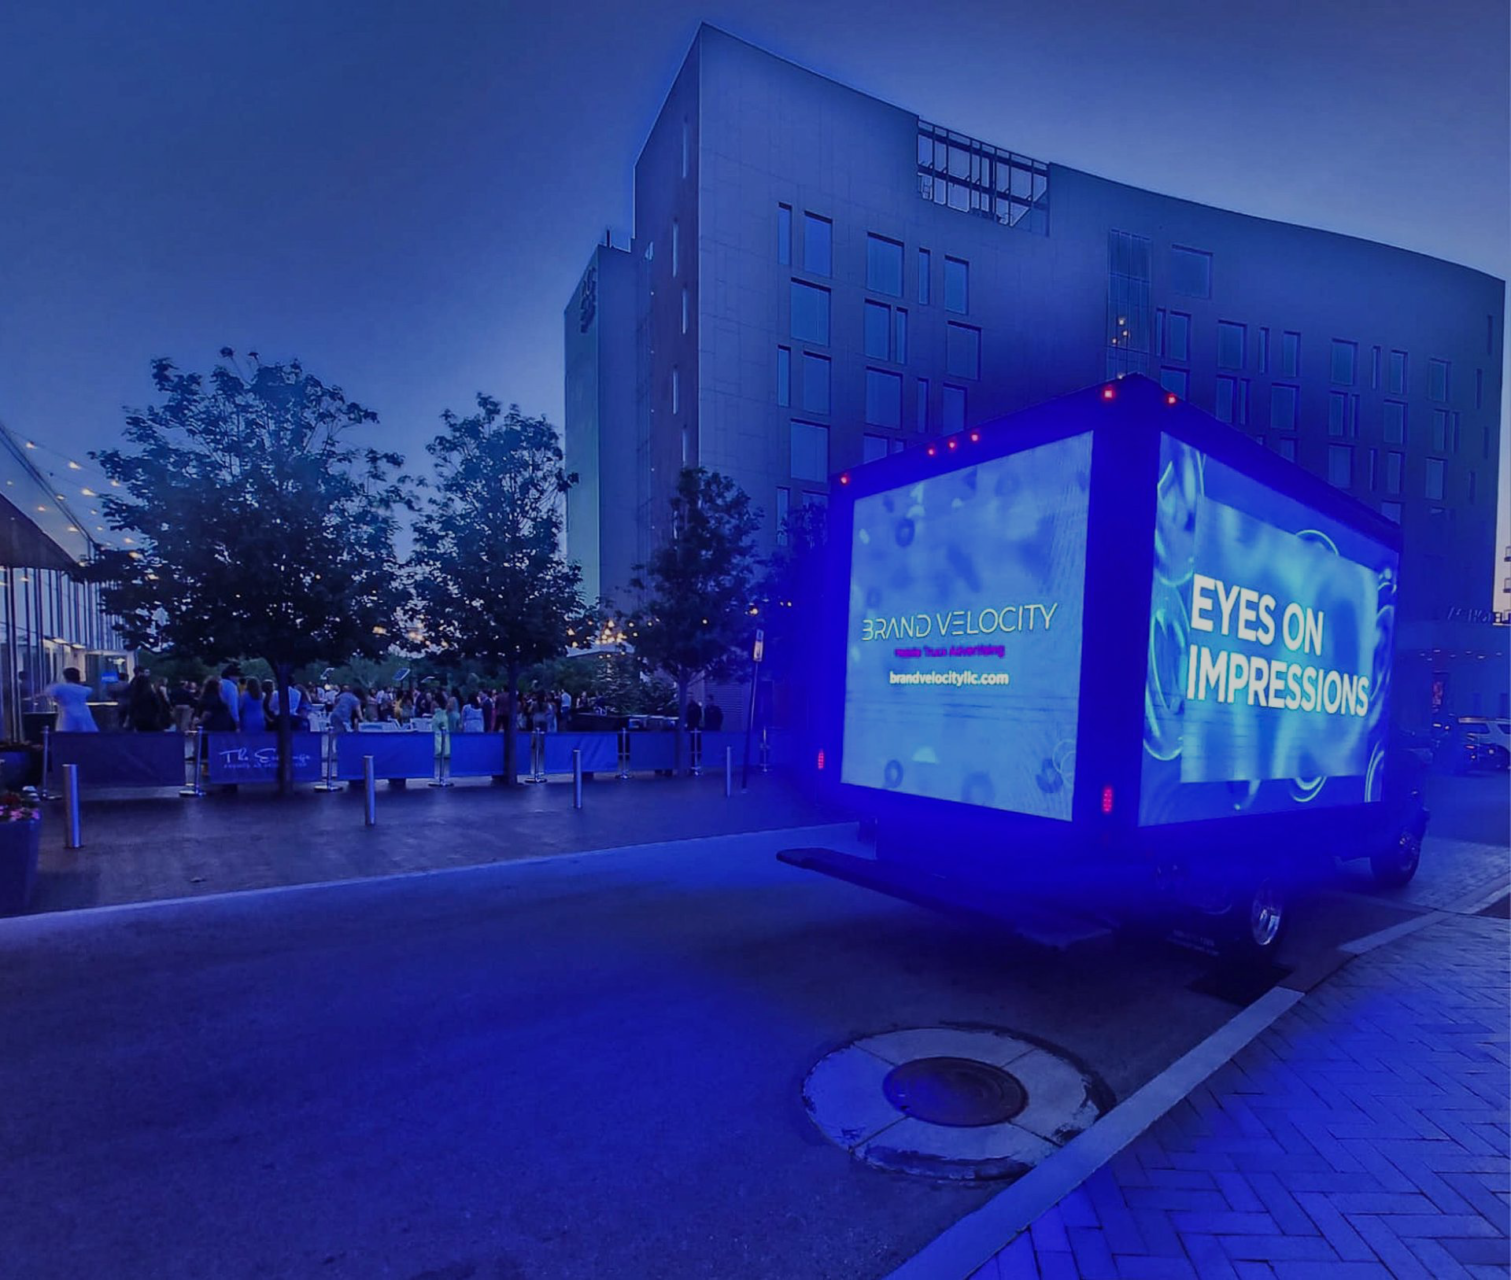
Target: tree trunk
x=682 y=683
x=511 y=729
x=284 y=672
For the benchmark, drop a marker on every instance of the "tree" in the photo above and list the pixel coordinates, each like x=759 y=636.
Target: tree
x=254 y=527
x=697 y=591
x=490 y=581
x=791 y=604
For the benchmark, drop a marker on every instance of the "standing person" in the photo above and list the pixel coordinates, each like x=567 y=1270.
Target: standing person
x=182 y=701
x=713 y=717
x=472 y=715
x=250 y=713
x=566 y=708
x=230 y=692
x=145 y=711
x=72 y=697
x=213 y=713
x=298 y=705
x=694 y=714
x=551 y=721
x=346 y=711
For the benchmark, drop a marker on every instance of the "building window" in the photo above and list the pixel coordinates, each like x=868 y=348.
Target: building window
x=1128 y=328
x=883 y=398
x=818 y=245
x=1440 y=430
x=1396 y=383
x=783 y=510
x=957 y=285
x=883 y=265
x=1190 y=272
x=873 y=448
x=962 y=351
x=1394 y=423
x=676 y=391
x=954 y=408
x=685 y=148
x=1230 y=344
x=810 y=451
x=1180 y=336
x=1479 y=388
x=1175 y=380
x=972 y=177
x=1374 y=470
x=1264 y=351
x=1227 y=393
x=1391 y=511
x=1395 y=466
x=925 y=259
x=784 y=375
x=1344 y=362
x=1282 y=408
x=877 y=330
x=1340 y=465
x=900 y=336
x=1159 y=332
x=1374 y=368
x=1436 y=470
x=815 y=388
x=676 y=247
x=1437 y=381
x=1285 y=446
x=810 y=313
x=922 y=407
x=1337 y=413
x=784 y=234
x=684 y=308
x=1290 y=354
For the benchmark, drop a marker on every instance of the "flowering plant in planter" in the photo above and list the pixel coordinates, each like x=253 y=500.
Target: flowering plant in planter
x=20 y=806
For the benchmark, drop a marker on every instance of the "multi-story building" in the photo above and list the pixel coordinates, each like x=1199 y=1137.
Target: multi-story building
x=820 y=278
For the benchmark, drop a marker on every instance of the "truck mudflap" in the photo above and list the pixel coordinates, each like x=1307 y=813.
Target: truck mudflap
x=1051 y=924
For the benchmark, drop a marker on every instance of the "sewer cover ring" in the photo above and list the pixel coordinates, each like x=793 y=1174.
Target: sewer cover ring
x=960 y=1092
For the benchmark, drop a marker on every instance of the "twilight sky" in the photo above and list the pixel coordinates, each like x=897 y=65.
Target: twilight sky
x=404 y=195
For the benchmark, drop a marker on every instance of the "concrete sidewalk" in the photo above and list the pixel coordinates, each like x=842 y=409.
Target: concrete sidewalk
x=1364 y=1134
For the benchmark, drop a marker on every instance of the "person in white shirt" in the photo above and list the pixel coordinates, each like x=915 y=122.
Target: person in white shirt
x=72 y=697
x=230 y=691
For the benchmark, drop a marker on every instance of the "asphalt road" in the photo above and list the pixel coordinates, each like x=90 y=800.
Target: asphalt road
x=583 y=1066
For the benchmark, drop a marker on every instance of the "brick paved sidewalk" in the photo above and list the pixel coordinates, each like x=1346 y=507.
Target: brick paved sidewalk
x=1364 y=1134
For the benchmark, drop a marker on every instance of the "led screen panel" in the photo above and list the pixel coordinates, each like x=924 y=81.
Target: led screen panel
x=963 y=658
x=1269 y=650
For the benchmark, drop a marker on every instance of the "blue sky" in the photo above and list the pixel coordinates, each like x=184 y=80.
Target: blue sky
x=404 y=195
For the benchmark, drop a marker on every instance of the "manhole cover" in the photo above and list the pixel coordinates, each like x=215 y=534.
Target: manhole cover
x=960 y=1092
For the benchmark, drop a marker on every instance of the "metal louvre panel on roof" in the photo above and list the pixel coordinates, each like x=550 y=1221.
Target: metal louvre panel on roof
x=23 y=545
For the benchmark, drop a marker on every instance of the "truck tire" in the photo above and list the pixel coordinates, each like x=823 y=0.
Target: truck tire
x=1255 y=922
x=1396 y=865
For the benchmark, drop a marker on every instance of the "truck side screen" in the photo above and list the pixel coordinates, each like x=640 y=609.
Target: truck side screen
x=963 y=652
x=1269 y=650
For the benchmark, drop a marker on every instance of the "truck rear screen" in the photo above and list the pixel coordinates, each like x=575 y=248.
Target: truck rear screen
x=1269 y=650
x=963 y=652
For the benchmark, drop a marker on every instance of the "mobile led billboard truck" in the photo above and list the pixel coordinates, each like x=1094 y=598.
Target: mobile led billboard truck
x=1109 y=640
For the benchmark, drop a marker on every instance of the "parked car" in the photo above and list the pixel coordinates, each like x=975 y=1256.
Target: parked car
x=1479 y=742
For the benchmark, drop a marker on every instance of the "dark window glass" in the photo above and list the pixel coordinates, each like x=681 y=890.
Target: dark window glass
x=954 y=408
x=883 y=265
x=810 y=451
x=1190 y=272
x=900 y=336
x=1437 y=381
x=783 y=507
x=1290 y=354
x=1264 y=351
x=878 y=330
x=873 y=447
x=1180 y=336
x=1337 y=413
x=818 y=245
x=883 y=398
x=1340 y=465
x=1436 y=470
x=1440 y=431
x=784 y=234
x=1394 y=422
x=1391 y=511
x=1374 y=368
x=810 y=313
x=1395 y=465
x=1230 y=344
x=784 y=375
x=1345 y=357
x=925 y=259
x=921 y=409
x=1282 y=408
x=962 y=352
x=1176 y=380
x=815 y=383
x=957 y=285
x=1396 y=384
x=1227 y=393
x=1285 y=447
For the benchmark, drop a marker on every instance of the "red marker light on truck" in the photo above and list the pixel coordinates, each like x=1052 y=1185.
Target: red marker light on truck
x=975 y=436
x=845 y=479
x=1106 y=799
x=1170 y=399
x=953 y=443
x=1107 y=393
x=821 y=758
x=932 y=451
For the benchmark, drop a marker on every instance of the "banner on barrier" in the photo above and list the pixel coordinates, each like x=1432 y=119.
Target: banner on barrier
x=395 y=755
x=118 y=759
x=253 y=757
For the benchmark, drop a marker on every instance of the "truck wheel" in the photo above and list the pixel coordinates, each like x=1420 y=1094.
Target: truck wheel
x=1399 y=863
x=1255 y=922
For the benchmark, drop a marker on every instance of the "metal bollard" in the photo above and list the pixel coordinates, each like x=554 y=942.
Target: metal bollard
x=624 y=754
x=370 y=792
x=577 y=777
x=765 y=752
x=192 y=787
x=729 y=772
x=327 y=756
x=72 y=836
x=696 y=749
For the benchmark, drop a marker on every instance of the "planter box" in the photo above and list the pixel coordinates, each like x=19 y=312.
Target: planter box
x=19 y=844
